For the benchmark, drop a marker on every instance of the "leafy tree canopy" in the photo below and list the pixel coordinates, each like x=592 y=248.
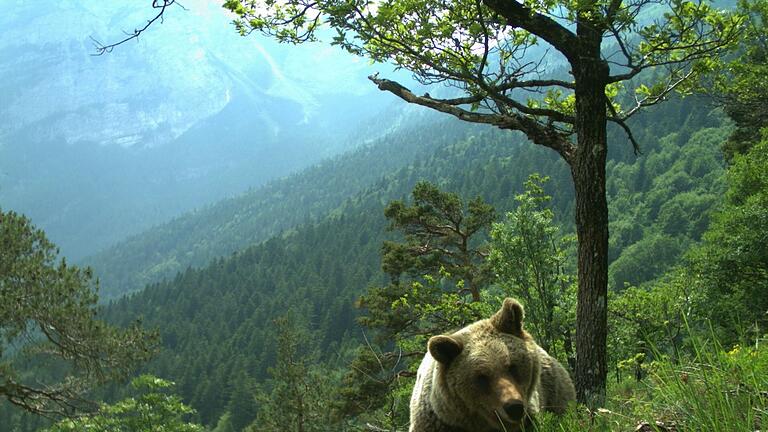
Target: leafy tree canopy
x=439 y=230
x=496 y=52
x=152 y=411
x=732 y=263
x=740 y=85
x=48 y=312
x=531 y=264
x=442 y=241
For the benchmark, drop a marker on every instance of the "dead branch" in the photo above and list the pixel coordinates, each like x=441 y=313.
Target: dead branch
x=159 y=5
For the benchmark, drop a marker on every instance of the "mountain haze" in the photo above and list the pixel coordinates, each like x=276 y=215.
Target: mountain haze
x=94 y=148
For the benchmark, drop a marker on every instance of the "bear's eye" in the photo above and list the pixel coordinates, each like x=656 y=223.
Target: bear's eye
x=515 y=372
x=483 y=381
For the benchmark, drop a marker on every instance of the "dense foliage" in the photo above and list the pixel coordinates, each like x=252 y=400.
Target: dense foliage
x=740 y=84
x=152 y=411
x=48 y=315
x=531 y=263
x=731 y=265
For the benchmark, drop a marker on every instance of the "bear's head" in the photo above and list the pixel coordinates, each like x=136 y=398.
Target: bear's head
x=487 y=374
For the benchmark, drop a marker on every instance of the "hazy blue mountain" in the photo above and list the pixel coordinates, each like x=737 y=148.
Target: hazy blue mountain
x=94 y=148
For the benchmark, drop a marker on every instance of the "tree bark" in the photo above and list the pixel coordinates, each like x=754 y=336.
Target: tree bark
x=588 y=172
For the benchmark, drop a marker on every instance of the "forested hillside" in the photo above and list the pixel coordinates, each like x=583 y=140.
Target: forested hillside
x=590 y=176
x=214 y=321
x=194 y=239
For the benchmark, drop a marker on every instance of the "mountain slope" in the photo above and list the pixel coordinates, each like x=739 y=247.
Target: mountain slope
x=94 y=148
x=194 y=239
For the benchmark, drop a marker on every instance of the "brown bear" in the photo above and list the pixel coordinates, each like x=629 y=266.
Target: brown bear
x=489 y=376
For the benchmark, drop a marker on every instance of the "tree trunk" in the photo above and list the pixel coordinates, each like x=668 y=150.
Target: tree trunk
x=588 y=171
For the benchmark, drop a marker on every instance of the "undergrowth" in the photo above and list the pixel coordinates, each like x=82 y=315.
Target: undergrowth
x=713 y=389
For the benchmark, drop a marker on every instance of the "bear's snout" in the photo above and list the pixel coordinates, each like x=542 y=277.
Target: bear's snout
x=515 y=410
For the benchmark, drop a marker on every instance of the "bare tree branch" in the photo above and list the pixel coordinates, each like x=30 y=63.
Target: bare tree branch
x=615 y=118
x=651 y=100
x=518 y=15
x=160 y=5
x=63 y=400
x=536 y=132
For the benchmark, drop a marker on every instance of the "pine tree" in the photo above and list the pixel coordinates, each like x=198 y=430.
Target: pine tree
x=49 y=308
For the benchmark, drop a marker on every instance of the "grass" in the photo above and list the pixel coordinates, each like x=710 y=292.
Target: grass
x=714 y=390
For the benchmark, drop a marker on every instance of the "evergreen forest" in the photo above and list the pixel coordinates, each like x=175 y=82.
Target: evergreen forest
x=305 y=304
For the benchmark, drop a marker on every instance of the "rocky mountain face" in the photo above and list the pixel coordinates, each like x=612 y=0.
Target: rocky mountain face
x=94 y=148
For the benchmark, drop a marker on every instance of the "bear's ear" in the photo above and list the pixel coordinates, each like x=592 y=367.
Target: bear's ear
x=444 y=348
x=509 y=319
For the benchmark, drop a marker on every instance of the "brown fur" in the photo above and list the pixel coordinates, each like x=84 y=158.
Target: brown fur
x=468 y=378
